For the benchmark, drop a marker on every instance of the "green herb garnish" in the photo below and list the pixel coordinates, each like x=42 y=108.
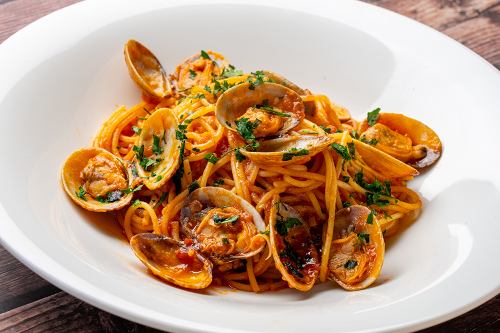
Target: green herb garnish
x=157 y=149
x=193 y=186
x=205 y=55
x=364 y=237
x=343 y=151
x=137 y=130
x=372 y=117
x=293 y=152
x=221 y=220
x=211 y=157
x=81 y=193
x=192 y=74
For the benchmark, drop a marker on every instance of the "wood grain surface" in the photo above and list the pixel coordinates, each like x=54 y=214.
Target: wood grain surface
x=30 y=304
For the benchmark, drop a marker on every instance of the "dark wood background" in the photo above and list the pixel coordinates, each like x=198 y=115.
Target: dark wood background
x=29 y=303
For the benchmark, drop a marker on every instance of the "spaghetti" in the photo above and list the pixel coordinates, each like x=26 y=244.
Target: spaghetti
x=340 y=196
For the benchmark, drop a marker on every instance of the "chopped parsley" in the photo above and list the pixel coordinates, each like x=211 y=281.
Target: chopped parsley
x=326 y=129
x=265 y=232
x=239 y=156
x=139 y=152
x=375 y=190
x=198 y=96
x=159 y=177
x=352 y=149
x=136 y=203
x=230 y=71
x=221 y=220
x=196 y=149
x=156 y=145
x=291 y=260
x=137 y=130
x=369 y=219
x=160 y=201
x=180 y=134
x=343 y=151
x=256 y=79
x=193 y=186
x=269 y=109
x=346 y=179
x=350 y=264
x=211 y=157
x=293 y=152
x=283 y=225
x=372 y=142
x=372 y=117
x=192 y=74
x=225 y=241
x=132 y=190
x=246 y=127
x=205 y=55
x=221 y=87
x=81 y=193
x=364 y=237
x=346 y=204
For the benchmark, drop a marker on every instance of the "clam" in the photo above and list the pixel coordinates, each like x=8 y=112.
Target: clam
x=157 y=153
x=199 y=69
x=357 y=251
x=145 y=69
x=269 y=108
x=172 y=260
x=277 y=78
x=383 y=163
x=407 y=139
x=96 y=180
x=224 y=226
x=293 y=251
x=288 y=149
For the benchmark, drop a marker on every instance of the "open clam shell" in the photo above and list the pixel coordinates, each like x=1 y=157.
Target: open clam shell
x=277 y=108
x=146 y=70
x=199 y=70
x=224 y=226
x=279 y=79
x=405 y=138
x=172 y=260
x=358 y=248
x=293 y=250
x=288 y=149
x=96 y=180
x=384 y=163
x=157 y=154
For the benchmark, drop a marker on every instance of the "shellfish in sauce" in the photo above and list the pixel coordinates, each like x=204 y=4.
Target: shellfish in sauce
x=96 y=180
x=172 y=261
x=224 y=226
x=146 y=70
x=358 y=248
x=405 y=138
x=293 y=250
x=199 y=70
x=269 y=109
x=157 y=154
x=288 y=149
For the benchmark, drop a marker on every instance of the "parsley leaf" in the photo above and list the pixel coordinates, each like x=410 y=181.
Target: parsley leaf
x=221 y=220
x=160 y=201
x=211 y=157
x=136 y=203
x=246 y=127
x=137 y=130
x=369 y=219
x=81 y=193
x=205 y=55
x=372 y=117
x=326 y=129
x=193 y=186
x=342 y=151
x=132 y=190
x=293 y=152
x=364 y=237
x=372 y=142
x=156 y=145
x=192 y=74
x=230 y=71
x=139 y=152
x=283 y=225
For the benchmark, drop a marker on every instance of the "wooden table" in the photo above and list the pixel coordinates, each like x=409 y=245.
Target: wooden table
x=29 y=303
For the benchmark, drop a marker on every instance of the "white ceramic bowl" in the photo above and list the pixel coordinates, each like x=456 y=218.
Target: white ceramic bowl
x=63 y=75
